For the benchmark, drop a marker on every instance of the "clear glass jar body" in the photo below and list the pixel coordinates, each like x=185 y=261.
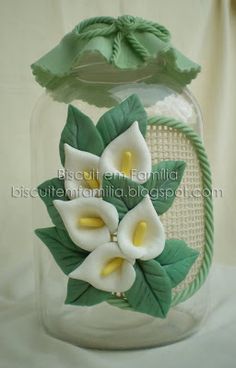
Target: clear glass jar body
x=104 y=326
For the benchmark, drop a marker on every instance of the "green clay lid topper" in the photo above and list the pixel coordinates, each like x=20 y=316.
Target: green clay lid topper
x=119 y=48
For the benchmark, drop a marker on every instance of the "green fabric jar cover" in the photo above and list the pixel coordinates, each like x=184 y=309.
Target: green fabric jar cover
x=121 y=46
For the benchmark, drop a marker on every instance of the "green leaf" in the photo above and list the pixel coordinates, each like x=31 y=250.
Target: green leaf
x=118 y=119
x=122 y=192
x=80 y=132
x=82 y=293
x=67 y=255
x=163 y=182
x=177 y=259
x=151 y=291
x=118 y=203
x=125 y=194
x=49 y=191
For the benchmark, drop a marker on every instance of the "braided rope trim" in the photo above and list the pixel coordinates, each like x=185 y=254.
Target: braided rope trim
x=121 y=302
x=91 y=21
x=124 y=27
x=137 y=46
x=116 y=47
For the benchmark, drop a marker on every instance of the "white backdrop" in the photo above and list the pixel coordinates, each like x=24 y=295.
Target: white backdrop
x=205 y=30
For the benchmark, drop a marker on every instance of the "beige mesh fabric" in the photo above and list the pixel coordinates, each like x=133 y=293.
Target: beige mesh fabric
x=185 y=219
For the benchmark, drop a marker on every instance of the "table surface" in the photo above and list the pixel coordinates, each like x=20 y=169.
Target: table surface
x=24 y=344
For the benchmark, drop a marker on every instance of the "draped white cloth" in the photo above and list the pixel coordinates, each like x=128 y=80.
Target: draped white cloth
x=206 y=32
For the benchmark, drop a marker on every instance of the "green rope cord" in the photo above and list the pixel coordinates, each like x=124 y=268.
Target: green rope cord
x=208 y=212
x=137 y=46
x=91 y=21
x=116 y=47
x=87 y=35
x=124 y=24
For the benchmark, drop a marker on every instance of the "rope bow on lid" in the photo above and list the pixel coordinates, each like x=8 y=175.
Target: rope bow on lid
x=124 y=27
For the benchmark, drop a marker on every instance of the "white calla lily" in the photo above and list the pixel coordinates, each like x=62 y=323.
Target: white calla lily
x=81 y=170
x=106 y=268
x=127 y=154
x=141 y=233
x=89 y=221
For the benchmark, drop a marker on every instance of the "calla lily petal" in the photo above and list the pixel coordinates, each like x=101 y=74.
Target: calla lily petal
x=77 y=165
x=89 y=221
x=91 y=270
x=127 y=154
x=141 y=233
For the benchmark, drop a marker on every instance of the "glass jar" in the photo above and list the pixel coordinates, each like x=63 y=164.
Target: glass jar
x=104 y=326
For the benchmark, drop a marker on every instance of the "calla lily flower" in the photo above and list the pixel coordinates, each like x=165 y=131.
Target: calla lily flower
x=141 y=233
x=81 y=171
x=106 y=268
x=127 y=154
x=89 y=221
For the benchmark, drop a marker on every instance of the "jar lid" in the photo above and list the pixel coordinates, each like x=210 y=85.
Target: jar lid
x=126 y=44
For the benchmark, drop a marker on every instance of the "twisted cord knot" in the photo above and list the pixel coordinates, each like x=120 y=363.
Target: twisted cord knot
x=126 y=24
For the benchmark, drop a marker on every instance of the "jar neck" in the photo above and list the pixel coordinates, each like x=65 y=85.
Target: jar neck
x=103 y=73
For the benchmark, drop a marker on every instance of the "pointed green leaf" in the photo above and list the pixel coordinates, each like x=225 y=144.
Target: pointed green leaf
x=80 y=132
x=67 y=255
x=151 y=291
x=115 y=121
x=161 y=186
x=49 y=191
x=122 y=192
x=163 y=182
x=177 y=259
x=82 y=293
x=118 y=203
